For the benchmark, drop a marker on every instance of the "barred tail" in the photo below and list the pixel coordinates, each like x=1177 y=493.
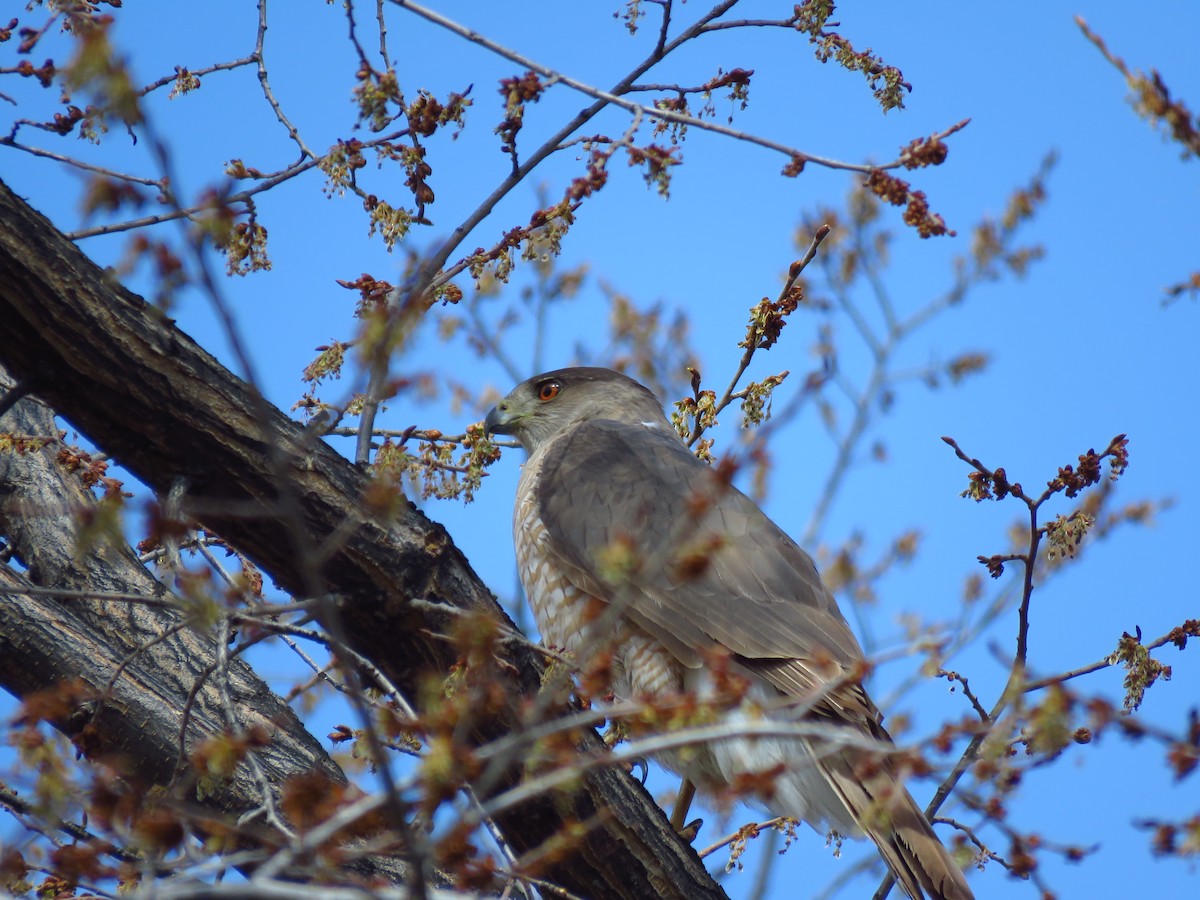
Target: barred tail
x=891 y=818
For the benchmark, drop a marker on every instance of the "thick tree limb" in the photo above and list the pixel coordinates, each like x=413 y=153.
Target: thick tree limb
x=137 y=727
x=168 y=412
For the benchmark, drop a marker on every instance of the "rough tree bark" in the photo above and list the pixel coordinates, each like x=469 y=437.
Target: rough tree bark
x=164 y=667
x=152 y=399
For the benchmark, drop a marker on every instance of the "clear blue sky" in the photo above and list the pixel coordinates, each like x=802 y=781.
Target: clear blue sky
x=1082 y=348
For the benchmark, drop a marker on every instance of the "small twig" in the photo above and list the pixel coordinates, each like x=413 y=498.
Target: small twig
x=198 y=73
x=751 y=830
x=181 y=212
x=382 y=23
x=1170 y=637
x=406 y=434
x=810 y=254
x=1102 y=47
x=984 y=850
x=78 y=833
x=10 y=141
x=29 y=41
x=794 y=272
x=258 y=776
x=193 y=543
x=264 y=81
x=382 y=682
x=968 y=693
x=750 y=23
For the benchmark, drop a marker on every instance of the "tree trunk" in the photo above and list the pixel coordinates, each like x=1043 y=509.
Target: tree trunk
x=168 y=412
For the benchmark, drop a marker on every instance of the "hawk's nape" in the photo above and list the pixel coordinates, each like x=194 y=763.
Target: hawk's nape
x=605 y=471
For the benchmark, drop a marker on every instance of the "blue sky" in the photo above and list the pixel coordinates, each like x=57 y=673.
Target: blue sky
x=1081 y=349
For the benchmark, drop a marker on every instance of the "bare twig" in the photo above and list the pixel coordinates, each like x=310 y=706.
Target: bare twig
x=968 y=693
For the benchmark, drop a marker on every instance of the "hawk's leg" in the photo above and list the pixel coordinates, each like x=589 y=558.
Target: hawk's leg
x=683 y=802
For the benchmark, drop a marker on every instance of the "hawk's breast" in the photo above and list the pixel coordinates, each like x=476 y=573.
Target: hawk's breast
x=564 y=612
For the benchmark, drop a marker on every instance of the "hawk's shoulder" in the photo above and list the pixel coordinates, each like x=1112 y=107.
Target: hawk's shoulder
x=704 y=565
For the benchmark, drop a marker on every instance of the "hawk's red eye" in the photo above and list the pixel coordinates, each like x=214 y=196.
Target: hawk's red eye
x=548 y=390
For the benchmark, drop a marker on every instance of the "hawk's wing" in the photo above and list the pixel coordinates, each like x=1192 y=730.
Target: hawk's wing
x=710 y=569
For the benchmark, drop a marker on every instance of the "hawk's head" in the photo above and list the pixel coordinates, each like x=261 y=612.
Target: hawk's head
x=544 y=406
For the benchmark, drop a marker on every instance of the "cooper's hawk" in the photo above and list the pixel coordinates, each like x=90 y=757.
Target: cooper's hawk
x=613 y=507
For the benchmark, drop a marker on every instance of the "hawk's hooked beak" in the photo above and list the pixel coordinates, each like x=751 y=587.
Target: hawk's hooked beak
x=511 y=416
x=497 y=420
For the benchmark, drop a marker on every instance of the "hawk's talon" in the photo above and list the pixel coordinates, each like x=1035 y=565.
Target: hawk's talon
x=689 y=831
x=639 y=763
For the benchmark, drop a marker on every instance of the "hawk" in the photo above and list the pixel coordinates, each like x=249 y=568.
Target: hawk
x=612 y=507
